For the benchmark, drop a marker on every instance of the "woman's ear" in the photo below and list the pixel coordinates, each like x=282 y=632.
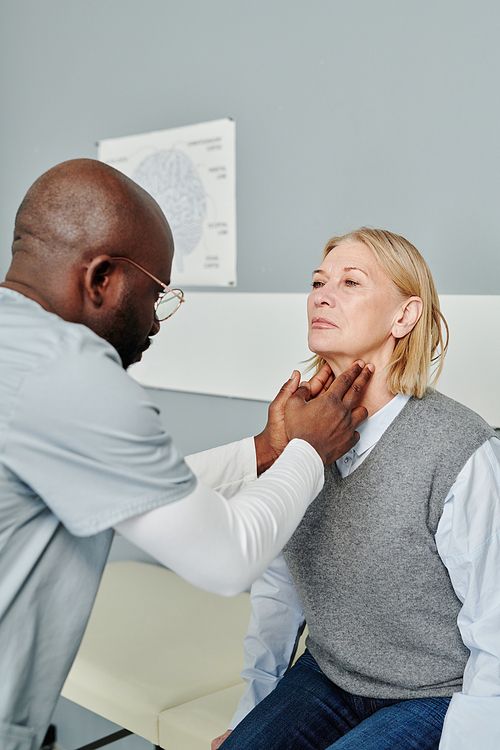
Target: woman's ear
x=97 y=278
x=407 y=317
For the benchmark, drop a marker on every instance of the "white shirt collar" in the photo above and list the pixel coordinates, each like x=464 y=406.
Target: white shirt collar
x=372 y=430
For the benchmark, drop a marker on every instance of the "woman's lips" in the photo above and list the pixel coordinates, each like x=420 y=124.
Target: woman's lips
x=322 y=323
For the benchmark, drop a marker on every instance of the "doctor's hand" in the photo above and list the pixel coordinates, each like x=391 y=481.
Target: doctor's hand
x=329 y=421
x=271 y=442
x=219 y=740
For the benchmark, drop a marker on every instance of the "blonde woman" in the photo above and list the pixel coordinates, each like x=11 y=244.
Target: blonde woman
x=399 y=545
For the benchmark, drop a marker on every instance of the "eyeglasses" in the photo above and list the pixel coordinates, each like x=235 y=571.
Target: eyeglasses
x=168 y=302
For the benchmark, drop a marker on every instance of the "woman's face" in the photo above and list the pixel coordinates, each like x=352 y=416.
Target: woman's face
x=352 y=309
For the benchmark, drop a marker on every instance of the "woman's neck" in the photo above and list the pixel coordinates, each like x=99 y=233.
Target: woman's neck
x=377 y=393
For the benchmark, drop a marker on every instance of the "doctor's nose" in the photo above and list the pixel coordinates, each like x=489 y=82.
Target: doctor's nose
x=155 y=327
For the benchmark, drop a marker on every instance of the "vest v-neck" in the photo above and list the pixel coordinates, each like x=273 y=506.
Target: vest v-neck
x=372 y=432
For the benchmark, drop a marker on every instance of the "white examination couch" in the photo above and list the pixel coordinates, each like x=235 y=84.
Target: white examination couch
x=161 y=658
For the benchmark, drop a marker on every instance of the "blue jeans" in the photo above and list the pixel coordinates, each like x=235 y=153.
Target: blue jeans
x=306 y=711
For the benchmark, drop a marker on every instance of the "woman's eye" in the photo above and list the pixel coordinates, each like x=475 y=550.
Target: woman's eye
x=351 y=282
x=317 y=284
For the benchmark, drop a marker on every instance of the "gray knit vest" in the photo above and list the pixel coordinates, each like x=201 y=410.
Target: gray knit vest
x=378 y=601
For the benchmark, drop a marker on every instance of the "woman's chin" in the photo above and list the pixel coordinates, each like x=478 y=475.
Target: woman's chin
x=340 y=363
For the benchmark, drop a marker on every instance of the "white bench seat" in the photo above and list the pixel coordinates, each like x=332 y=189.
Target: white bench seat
x=193 y=725
x=155 y=643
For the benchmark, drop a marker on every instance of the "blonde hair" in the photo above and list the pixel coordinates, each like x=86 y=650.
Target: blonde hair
x=421 y=350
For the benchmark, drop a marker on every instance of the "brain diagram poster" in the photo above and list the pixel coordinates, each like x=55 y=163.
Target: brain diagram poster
x=190 y=171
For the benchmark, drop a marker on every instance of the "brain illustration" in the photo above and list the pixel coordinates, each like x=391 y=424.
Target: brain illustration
x=171 y=178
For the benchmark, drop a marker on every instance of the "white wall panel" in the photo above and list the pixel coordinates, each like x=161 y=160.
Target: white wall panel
x=246 y=345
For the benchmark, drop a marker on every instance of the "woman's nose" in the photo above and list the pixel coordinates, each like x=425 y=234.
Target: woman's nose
x=324 y=296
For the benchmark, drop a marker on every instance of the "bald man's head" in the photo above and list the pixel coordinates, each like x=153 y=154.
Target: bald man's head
x=75 y=219
x=81 y=206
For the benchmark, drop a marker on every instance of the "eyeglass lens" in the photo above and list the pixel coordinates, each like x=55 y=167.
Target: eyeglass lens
x=167 y=305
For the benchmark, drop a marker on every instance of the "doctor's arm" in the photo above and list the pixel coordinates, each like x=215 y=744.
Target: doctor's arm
x=224 y=545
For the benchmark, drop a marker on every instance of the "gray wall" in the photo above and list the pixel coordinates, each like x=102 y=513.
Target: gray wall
x=377 y=112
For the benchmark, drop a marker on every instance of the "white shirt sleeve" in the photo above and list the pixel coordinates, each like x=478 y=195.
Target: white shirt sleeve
x=468 y=541
x=228 y=468
x=222 y=545
x=275 y=626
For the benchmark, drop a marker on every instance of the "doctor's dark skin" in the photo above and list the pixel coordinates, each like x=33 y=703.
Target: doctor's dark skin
x=74 y=221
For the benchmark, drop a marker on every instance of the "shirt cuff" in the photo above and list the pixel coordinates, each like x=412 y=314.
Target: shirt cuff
x=249 y=700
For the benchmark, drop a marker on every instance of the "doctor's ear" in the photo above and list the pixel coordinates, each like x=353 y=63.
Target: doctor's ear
x=98 y=278
x=407 y=317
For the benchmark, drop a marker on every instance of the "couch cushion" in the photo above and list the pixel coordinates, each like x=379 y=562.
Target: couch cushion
x=194 y=725
x=153 y=642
